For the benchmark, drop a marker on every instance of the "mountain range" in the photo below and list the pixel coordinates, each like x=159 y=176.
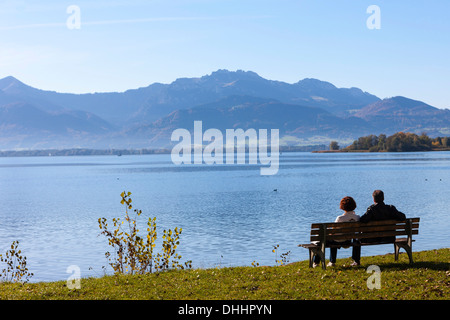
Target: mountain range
x=310 y=111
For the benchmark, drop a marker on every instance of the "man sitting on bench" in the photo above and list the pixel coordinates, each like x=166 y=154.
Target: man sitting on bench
x=380 y=211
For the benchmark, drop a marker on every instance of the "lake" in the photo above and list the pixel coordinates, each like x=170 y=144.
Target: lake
x=230 y=214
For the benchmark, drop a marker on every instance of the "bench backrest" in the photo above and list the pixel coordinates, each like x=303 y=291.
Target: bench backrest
x=358 y=230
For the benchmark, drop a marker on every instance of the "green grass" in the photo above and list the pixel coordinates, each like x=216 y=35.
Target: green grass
x=427 y=279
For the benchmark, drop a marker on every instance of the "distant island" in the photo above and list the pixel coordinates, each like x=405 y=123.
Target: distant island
x=398 y=142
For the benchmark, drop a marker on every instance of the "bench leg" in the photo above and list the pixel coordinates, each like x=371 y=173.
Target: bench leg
x=409 y=252
x=322 y=259
x=396 y=251
x=311 y=257
x=407 y=248
x=320 y=253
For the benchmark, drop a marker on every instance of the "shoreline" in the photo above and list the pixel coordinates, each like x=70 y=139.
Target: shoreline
x=119 y=152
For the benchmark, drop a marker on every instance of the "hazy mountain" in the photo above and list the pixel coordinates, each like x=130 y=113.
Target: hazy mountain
x=157 y=100
x=13 y=90
x=186 y=93
x=145 y=117
x=402 y=114
x=258 y=113
x=24 y=125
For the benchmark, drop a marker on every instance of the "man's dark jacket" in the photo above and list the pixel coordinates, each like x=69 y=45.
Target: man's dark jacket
x=378 y=212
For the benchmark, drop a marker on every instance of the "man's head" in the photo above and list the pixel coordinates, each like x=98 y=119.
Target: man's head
x=378 y=196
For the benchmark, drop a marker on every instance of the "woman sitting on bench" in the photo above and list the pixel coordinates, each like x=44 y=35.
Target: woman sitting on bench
x=347 y=204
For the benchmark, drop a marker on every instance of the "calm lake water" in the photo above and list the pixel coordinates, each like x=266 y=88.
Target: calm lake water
x=230 y=214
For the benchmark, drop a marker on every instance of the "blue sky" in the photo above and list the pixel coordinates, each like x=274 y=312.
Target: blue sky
x=126 y=44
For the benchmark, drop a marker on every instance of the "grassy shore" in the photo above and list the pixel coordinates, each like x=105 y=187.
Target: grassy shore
x=427 y=279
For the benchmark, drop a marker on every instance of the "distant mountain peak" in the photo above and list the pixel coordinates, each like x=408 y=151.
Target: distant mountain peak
x=403 y=102
x=401 y=99
x=399 y=107
x=238 y=72
x=315 y=83
x=6 y=81
x=226 y=75
x=10 y=83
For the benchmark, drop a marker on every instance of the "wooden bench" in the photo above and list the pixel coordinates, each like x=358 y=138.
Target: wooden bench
x=323 y=233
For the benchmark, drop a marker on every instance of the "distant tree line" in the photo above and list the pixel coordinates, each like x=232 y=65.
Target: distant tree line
x=399 y=142
x=79 y=152
x=120 y=152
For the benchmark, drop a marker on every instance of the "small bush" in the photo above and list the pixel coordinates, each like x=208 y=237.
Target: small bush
x=16 y=265
x=133 y=253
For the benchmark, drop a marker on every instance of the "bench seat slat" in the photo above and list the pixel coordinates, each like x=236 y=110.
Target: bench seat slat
x=361 y=228
x=350 y=236
x=355 y=224
x=368 y=229
x=317 y=245
x=369 y=235
x=365 y=229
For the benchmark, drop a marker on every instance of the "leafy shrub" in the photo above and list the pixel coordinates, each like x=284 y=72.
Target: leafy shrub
x=284 y=257
x=16 y=265
x=133 y=253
